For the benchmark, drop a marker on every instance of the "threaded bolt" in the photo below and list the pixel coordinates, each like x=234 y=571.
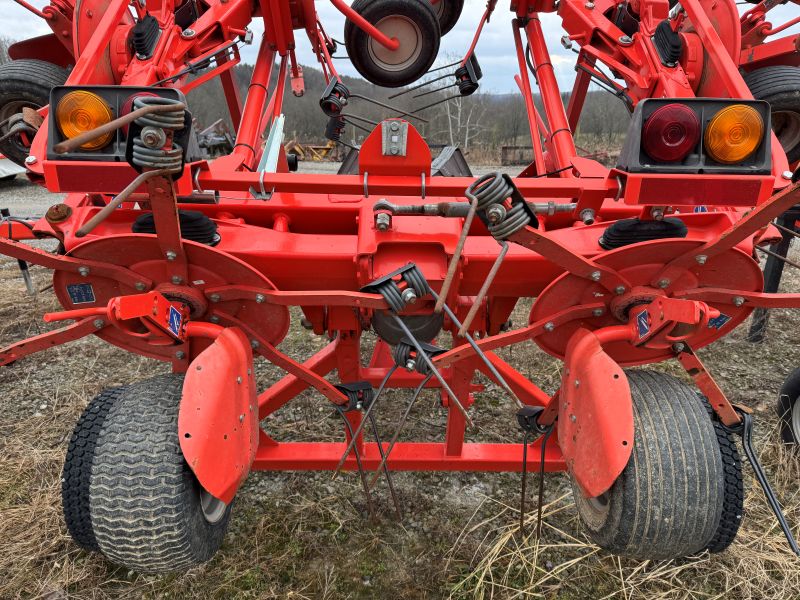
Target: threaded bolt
x=383 y=221
x=409 y=296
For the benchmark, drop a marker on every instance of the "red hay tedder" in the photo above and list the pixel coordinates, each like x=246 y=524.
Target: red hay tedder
x=196 y=261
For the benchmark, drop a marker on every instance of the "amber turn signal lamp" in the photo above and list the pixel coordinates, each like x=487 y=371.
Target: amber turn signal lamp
x=80 y=111
x=733 y=134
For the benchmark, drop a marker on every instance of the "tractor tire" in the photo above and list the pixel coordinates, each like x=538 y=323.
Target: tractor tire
x=733 y=500
x=448 y=12
x=780 y=86
x=148 y=512
x=413 y=22
x=25 y=83
x=669 y=500
x=78 y=469
x=789 y=408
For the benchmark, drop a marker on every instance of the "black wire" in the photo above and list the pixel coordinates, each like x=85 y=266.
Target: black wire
x=562 y=169
x=17 y=220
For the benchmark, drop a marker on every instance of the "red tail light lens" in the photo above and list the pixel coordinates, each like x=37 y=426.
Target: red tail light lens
x=671 y=133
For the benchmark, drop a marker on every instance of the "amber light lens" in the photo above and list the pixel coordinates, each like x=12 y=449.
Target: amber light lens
x=80 y=111
x=734 y=134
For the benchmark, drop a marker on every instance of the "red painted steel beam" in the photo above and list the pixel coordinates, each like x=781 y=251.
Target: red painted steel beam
x=408 y=456
x=453 y=187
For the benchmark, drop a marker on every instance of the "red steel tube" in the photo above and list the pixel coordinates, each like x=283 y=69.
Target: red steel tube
x=249 y=127
x=33 y=9
x=524 y=83
x=561 y=137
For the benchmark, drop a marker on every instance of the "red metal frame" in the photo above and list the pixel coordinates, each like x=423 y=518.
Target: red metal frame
x=314 y=242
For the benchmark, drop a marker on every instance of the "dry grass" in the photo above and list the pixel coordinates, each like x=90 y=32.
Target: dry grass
x=303 y=536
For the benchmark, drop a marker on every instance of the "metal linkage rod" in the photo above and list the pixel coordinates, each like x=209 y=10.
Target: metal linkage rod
x=462 y=239
x=476 y=304
x=433 y=368
x=367 y=413
x=397 y=432
x=471 y=341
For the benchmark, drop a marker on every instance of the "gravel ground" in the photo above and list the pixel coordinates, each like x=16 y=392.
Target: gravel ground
x=301 y=535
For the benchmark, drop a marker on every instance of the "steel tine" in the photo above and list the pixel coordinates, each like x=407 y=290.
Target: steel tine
x=399 y=429
x=399 y=111
x=524 y=482
x=484 y=289
x=451 y=268
x=385 y=468
x=480 y=353
x=439 y=102
x=361 y=474
x=367 y=412
x=791 y=232
x=440 y=89
x=420 y=85
x=433 y=369
x=779 y=257
x=541 y=483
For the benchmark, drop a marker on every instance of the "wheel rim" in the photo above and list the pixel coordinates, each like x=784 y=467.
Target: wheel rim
x=213 y=508
x=796 y=420
x=599 y=504
x=407 y=33
x=786 y=125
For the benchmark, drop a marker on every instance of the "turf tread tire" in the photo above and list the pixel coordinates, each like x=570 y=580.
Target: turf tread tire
x=790 y=391
x=780 y=86
x=27 y=80
x=145 y=505
x=733 y=499
x=448 y=14
x=668 y=501
x=77 y=471
x=421 y=12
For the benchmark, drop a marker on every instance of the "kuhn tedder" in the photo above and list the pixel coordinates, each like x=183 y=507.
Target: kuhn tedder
x=196 y=262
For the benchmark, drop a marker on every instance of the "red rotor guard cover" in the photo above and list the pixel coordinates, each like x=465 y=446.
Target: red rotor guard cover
x=595 y=418
x=218 y=417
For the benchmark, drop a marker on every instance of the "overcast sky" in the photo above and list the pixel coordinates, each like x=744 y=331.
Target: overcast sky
x=495 y=50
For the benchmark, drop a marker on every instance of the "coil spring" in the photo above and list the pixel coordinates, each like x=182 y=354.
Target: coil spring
x=402 y=354
x=416 y=281
x=392 y=296
x=493 y=189
x=490 y=189
x=516 y=218
x=336 y=100
x=173 y=120
x=335 y=128
x=466 y=86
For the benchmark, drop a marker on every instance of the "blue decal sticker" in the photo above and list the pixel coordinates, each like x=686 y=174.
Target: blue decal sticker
x=718 y=322
x=175 y=320
x=700 y=209
x=81 y=293
x=643 y=324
